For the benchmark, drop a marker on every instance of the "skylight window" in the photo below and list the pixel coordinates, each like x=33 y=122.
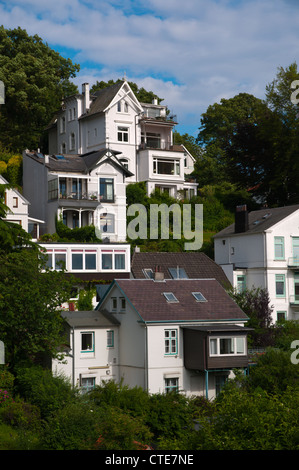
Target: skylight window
x=170 y=297
x=199 y=297
x=178 y=273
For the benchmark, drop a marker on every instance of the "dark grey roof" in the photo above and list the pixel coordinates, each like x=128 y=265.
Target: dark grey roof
x=102 y=98
x=93 y=318
x=197 y=265
x=148 y=300
x=261 y=220
x=81 y=163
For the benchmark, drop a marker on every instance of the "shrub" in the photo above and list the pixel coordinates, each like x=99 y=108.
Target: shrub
x=47 y=391
x=6 y=379
x=21 y=414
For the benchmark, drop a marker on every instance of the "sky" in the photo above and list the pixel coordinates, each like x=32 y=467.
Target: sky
x=191 y=53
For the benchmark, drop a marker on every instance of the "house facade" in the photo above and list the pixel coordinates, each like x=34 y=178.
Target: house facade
x=18 y=210
x=142 y=133
x=262 y=250
x=184 y=335
x=83 y=190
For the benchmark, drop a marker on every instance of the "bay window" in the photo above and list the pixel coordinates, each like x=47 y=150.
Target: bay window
x=227 y=346
x=166 y=167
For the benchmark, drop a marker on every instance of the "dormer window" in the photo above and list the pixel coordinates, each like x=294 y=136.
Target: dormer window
x=199 y=297
x=170 y=297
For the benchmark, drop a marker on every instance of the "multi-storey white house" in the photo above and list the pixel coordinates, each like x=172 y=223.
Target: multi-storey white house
x=262 y=250
x=159 y=334
x=18 y=210
x=80 y=190
x=143 y=134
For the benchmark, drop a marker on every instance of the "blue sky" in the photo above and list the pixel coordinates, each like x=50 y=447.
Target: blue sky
x=191 y=53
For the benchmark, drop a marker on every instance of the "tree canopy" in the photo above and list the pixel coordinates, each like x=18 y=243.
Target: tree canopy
x=35 y=78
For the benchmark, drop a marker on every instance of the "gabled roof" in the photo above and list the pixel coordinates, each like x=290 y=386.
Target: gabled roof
x=4 y=181
x=146 y=297
x=102 y=99
x=197 y=265
x=81 y=163
x=261 y=220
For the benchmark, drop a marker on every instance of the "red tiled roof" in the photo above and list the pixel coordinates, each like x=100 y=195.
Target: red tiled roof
x=147 y=298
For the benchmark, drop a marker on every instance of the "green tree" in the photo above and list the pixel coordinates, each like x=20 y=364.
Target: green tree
x=30 y=295
x=141 y=94
x=36 y=78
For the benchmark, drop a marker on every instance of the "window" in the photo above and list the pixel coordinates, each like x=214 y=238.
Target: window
x=123 y=134
x=178 y=273
x=281 y=316
x=280 y=285
x=107 y=223
x=171 y=385
x=148 y=272
x=170 y=297
x=119 y=106
x=15 y=202
x=110 y=339
x=62 y=124
x=170 y=342
x=227 y=346
x=241 y=284
x=63 y=148
x=106 y=190
x=87 y=384
x=59 y=261
x=87 y=342
x=279 y=247
x=113 y=304
x=199 y=297
x=84 y=260
x=72 y=141
x=106 y=261
x=166 y=167
x=122 y=303
x=126 y=108
x=119 y=261
x=151 y=140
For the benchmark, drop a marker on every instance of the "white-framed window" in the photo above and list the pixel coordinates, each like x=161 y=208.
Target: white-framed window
x=227 y=346
x=119 y=106
x=56 y=259
x=87 y=341
x=84 y=260
x=170 y=297
x=72 y=141
x=62 y=124
x=171 y=384
x=123 y=304
x=148 y=272
x=199 y=297
x=107 y=189
x=63 y=148
x=170 y=342
x=114 y=260
x=113 y=304
x=166 y=167
x=110 y=339
x=122 y=134
x=279 y=248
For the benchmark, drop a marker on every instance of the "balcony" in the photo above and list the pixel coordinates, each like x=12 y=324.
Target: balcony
x=293 y=263
x=294 y=299
x=80 y=200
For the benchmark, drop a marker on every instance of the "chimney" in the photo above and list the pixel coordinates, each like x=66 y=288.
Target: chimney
x=158 y=275
x=86 y=97
x=241 y=219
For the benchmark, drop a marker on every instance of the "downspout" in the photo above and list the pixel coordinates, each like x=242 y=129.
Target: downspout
x=207 y=383
x=146 y=359
x=265 y=260
x=73 y=367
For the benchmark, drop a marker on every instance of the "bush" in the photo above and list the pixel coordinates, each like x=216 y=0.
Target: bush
x=41 y=388
x=73 y=427
x=6 y=379
x=22 y=415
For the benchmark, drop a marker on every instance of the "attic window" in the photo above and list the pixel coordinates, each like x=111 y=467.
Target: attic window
x=170 y=297
x=199 y=297
x=178 y=273
x=148 y=272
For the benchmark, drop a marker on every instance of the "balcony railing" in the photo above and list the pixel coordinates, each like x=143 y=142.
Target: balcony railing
x=293 y=262
x=294 y=299
x=89 y=196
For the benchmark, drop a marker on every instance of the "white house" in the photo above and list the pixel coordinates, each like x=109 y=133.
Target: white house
x=142 y=133
x=262 y=250
x=18 y=210
x=82 y=190
x=183 y=335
